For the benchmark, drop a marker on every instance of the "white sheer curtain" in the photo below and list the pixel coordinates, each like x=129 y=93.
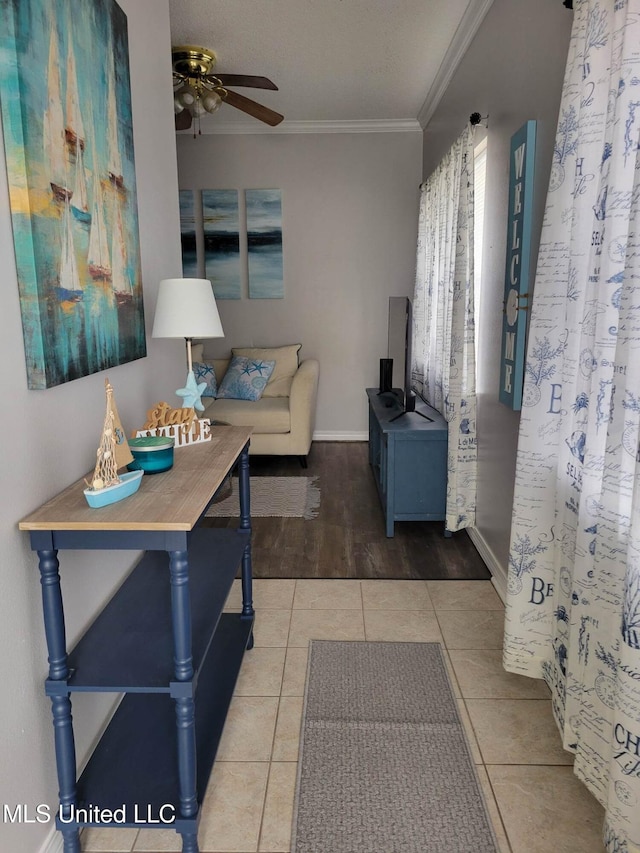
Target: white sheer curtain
x=444 y=367
x=573 y=609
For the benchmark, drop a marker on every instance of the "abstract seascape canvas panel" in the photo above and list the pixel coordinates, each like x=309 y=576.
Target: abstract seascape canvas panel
x=188 y=235
x=264 y=243
x=67 y=125
x=221 y=223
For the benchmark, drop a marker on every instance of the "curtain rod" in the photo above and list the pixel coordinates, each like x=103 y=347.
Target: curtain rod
x=476 y=118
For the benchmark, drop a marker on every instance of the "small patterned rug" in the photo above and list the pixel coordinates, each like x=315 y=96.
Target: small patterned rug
x=285 y=497
x=384 y=762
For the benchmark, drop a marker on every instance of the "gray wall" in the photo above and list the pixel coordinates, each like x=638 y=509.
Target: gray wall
x=350 y=203
x=513 y=72
x=50 y=438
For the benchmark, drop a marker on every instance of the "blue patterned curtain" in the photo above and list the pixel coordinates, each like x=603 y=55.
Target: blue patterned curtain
x=444 y=365
x=573 y=609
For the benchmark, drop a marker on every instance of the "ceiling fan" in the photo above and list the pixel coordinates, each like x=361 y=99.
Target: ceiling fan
x=198 y=91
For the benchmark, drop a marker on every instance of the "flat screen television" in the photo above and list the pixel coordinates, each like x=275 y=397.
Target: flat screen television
x=400 y=334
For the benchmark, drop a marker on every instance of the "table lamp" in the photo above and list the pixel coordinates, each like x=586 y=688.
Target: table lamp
x=186 y=308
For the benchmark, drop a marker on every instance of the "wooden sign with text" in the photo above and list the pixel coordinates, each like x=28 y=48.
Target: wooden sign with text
x=180 y=424
x=517 y=285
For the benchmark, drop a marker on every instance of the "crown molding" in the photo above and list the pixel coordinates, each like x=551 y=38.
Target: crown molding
x=404 y=125
x=459 y=44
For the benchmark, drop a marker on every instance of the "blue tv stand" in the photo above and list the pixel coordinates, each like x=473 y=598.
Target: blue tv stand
x=408 y=457
x=162 y=640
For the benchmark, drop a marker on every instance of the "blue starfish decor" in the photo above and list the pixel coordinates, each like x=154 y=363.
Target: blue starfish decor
x=192 y=392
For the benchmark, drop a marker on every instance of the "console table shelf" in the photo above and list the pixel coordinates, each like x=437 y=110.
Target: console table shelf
x=128 y=759
x=408 y=456
x=129 y=646
x=162 y=640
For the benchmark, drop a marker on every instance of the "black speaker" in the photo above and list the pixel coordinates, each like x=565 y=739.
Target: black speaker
x=386 y=374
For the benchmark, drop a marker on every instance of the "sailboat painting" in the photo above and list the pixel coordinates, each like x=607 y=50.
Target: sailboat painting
x=67 y=124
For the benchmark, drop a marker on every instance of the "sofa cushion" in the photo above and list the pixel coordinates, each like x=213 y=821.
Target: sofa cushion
x=204 y=371
x=286 y=359
x=267 y=415
x=245 y=378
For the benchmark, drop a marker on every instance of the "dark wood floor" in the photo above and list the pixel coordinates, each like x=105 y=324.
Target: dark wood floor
x=347 y=539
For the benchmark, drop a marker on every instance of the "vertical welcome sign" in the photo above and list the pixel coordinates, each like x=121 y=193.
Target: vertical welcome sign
x=517 y=291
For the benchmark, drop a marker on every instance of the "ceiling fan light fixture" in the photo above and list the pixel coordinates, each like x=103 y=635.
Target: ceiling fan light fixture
x=186 y=96
x=211 y=102
x=198 y=91
x=191 y=61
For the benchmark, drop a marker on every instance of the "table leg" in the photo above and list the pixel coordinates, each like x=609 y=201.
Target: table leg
x=53 y=612
x=245 y=524
x=190 y=843
x=53 y=615
x=185 y=706
x=70 y=841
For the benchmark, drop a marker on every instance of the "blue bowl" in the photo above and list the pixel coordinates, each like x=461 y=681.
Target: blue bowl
x=151 y=454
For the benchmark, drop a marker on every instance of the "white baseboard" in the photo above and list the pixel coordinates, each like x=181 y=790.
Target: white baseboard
x=341 y=436
x=53 y=842
x=498 y=572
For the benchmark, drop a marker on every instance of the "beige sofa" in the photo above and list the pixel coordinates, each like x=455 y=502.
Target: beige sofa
x=283 y=418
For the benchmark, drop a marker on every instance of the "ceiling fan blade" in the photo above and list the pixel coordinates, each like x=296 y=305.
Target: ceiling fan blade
x=183 y=120
x=252 y=108
x=245 y=80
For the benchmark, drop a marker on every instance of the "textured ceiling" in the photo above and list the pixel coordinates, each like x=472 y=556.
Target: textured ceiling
x=332 y=60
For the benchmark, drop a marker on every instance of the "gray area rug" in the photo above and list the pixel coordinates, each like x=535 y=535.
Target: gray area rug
x=288 y=497
x=384 y=762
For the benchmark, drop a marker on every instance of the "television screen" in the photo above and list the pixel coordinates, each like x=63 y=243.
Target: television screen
x=397 y=338
x=399 y=348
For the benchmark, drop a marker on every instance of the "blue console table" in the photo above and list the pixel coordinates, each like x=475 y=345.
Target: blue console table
x=162 y=640
x=408 y=457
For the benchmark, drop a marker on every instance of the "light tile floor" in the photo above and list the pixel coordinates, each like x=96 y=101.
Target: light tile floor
x=536 y=803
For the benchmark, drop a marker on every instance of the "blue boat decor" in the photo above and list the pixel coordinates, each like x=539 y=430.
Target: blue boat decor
x=127 y=484
x=107 y=486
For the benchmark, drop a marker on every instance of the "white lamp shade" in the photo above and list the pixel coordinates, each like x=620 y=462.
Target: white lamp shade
x=186 y=308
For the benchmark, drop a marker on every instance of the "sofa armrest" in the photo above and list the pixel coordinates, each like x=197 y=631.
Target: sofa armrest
x=302 y=400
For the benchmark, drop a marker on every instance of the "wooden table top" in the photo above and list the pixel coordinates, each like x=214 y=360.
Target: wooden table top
x=173 y=500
